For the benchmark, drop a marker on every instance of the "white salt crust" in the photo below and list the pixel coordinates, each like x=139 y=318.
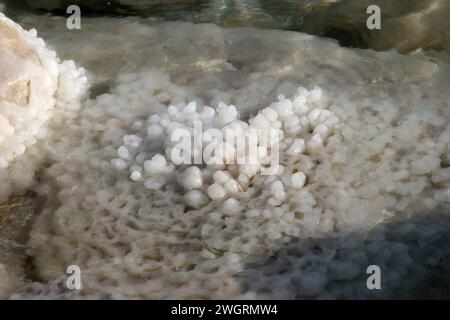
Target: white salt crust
x=140 y=226
x=189 y=234
x=21 y=121
x=25 y=113
x=28 y=75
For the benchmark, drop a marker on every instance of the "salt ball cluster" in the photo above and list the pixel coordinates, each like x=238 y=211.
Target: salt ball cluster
x=301 y=123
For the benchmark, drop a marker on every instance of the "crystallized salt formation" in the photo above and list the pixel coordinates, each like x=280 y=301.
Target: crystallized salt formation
x=28 y=81
x=358 y=147
x=153 y=228
x=36 y=91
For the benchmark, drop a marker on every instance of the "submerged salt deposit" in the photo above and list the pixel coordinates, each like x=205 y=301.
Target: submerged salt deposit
x=365 y=138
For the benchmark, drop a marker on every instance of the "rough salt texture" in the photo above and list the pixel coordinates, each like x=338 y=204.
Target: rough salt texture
x=28 y=81
x=32 y=91
x=375 y=190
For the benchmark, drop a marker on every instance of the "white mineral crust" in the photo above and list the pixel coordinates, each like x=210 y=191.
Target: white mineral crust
x=364 y=137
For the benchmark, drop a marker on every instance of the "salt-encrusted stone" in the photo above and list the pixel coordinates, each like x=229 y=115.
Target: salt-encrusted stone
x=28 y=81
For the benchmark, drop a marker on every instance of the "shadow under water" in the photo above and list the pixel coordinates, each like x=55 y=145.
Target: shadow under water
x=413 y=256
x=16 y=219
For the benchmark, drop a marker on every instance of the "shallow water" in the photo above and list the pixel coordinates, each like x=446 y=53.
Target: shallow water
x=407 y=26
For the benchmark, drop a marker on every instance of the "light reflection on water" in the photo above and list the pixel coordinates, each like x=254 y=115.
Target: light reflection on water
x=407 y=25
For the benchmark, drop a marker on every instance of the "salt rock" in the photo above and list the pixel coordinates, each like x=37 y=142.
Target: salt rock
x=28 y=81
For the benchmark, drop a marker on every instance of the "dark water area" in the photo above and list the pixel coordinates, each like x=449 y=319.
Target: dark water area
x=406 y=25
